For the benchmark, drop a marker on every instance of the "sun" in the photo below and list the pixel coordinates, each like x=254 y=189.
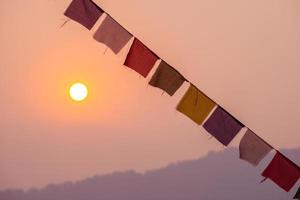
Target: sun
x=78 y=92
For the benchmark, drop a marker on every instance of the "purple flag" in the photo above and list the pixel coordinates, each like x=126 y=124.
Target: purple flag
x=112 y=34
x=223 y=126
x=85 y=12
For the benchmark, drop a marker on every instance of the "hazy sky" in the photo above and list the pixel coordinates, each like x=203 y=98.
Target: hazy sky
x=244 y=54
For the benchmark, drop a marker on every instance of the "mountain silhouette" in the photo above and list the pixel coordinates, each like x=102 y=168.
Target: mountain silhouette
x=219 y=175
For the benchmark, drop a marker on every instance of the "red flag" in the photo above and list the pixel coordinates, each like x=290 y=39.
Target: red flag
x=140 y=58
x=282 y=171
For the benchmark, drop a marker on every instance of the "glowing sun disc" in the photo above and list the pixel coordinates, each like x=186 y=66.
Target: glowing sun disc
x=78 y=91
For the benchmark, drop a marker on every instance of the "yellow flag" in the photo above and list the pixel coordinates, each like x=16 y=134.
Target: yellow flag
x=195 y=105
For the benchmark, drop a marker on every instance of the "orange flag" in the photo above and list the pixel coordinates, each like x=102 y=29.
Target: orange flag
x=195 y=105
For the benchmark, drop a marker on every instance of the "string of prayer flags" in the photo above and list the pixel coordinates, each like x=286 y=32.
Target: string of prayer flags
x=297 y=195
x=252 y=148
x=167 y=78
x=222 y=126
x=195 y=105
x=140 y=58
x=282 y=171
x=85 y=12
x=112 y=34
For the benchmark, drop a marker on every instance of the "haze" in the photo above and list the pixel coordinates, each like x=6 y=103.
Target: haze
x=243 y=54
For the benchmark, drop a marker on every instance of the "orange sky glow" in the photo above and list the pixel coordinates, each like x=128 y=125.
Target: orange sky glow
x=248 y=62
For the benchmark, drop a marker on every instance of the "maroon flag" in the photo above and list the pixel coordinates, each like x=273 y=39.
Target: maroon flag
x=85 y=12
x=112 y=34
x=223 y=126
x=140 y=58
x=282 y=171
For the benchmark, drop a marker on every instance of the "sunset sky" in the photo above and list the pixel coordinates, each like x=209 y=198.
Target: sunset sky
x=243 y=54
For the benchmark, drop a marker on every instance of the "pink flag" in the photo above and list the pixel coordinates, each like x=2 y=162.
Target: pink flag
x=252 y=148
x=282 y=171
x=112 y=34
x=140 y=58
x=85 y=12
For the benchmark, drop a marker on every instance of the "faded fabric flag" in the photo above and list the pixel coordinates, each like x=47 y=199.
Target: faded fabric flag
x=223 y=126
x=297 y=195
x=112 y=34
x=195 y=105
x=252 y=148
x=167 y=78
x=282 y=171
x=85 y=12
x=140 y=58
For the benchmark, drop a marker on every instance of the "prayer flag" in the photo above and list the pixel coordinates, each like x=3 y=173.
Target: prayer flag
x=112 y=34
x=195 y=105
x=282 y=171
x=223 y=126
x=140 y=58
x=297 y=195
x=167 y=78
x=252 y=148
x=85 y=12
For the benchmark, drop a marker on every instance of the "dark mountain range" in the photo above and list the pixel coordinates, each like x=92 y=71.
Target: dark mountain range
x=219 y=175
